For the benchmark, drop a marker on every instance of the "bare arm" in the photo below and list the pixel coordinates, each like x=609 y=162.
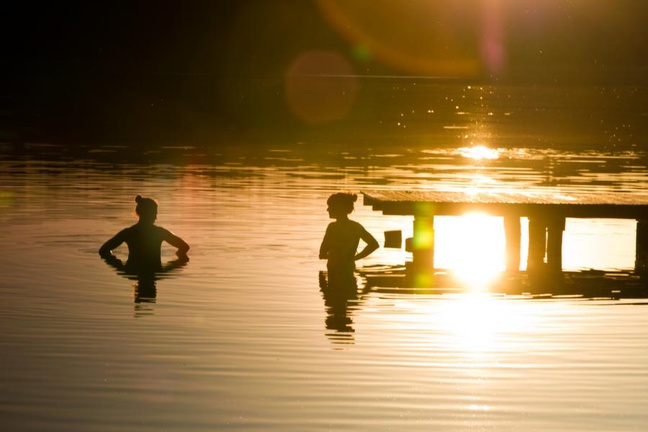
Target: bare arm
x=372 y=245
x=106 y=249
x=175 y=241
x=324 y=247
x=113 y=261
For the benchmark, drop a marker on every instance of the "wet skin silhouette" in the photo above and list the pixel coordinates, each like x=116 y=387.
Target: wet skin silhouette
x=339 y=247
x=340 y=244
x=144 y=240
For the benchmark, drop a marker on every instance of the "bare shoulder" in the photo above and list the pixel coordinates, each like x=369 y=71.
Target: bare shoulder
x=163 y=232
x=357 y=225
x=161 y=229
x=124 y=233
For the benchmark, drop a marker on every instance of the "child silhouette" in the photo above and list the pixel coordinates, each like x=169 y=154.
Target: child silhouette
x=144 y=239
x=340 y=243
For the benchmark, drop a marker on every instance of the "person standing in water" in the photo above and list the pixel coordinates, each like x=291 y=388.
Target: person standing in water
x=340 y=244
x=144 y=239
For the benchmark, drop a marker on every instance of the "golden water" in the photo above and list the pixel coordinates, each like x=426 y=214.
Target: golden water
x=238 y=338
x=241 y=337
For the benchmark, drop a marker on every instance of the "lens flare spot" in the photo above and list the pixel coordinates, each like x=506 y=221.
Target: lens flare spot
x=321 y=87
x=421 y=37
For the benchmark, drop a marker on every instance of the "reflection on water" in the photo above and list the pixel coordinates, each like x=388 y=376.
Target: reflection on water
x=244 y=338
x=477 y=324
x=145 y=286
x=340 y=299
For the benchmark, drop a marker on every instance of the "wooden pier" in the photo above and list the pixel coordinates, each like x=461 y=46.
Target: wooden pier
x=546 y=211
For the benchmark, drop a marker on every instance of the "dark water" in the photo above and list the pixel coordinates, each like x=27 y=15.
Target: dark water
x=239 y=338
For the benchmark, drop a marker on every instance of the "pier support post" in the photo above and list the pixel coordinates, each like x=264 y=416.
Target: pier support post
x=423 y=240
x=555 y=229
x=545 y=240
x=537 y=244
x=512 y=235
x=641 y=252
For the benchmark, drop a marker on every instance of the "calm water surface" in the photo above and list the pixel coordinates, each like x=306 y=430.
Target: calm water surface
x=239 y=338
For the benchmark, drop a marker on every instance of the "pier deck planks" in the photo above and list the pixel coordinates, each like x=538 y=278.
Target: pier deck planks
x=507 y=203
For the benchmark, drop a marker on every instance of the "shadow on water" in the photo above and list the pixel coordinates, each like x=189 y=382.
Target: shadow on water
x=145 y=279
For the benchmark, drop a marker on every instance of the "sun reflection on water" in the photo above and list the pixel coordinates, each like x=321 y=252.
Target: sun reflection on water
x=474 y=321
x=480 y=326
x=479 y=152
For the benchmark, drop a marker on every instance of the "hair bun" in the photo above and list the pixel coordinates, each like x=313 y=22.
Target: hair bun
x=355 y=197
x=138 y=198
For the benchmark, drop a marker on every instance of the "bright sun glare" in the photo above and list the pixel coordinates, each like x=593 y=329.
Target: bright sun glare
x=479 y=152
x=475 y=323
x=481 y=323
x=472 y=246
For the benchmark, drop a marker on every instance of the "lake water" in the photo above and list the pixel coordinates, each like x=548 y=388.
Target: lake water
x=241 y=338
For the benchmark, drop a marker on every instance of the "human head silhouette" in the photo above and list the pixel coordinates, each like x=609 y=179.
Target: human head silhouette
x=146 y=209
x=341 y=203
